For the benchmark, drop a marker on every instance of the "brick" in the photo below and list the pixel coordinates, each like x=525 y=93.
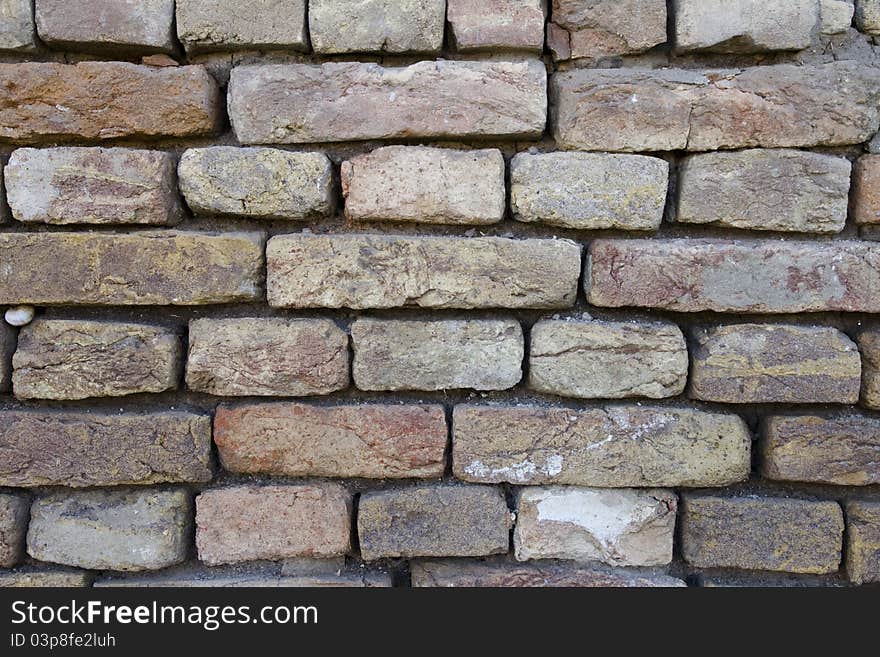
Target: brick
x=744 y=26
x=90 y=448
x=92 y=186
x=437 y=355
x=869 y=346
x=691 y=275
x=78 y=359
x=13 y=526
x=55 y=578
x=262 y=183
x=392 y=26
x=266 y=356
x=17 y=30
x=498 y=573
x=836 y=16
x=604 y=28
x=129 y=26
x=301 y=103
x=866 y=190
x=867 y=16
x=105 y=100
x=863 y=541
x=761 y=533
x=359 y=440
x=610 y=360
x=661 y=110
x=433 y=521
x=247 y=523
x=7 y=346
x=143 y=268
x=425 y=185
x=783 y=190
x=205 y=25
x=111 y=529
x=755 y=363
x=618 y=446
x=218 y=577
x=476 y=25
x=624 y=527
x=589 y=190
x=387 y=271
x=840 y=450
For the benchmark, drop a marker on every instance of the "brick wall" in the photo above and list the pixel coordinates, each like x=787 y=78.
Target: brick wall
x=440 y=292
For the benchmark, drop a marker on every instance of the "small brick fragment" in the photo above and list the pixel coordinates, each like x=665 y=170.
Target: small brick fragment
x=13 y=525
x=17 y=30
x=866 y=190
x=867 y=16
x=7 y=347
x=42 y=578
x=869 y=346
x=863 y=541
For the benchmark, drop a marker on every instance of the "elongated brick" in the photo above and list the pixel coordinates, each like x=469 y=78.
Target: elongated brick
x=869 y=346
x=13 y=526
x=863 y=541
x=204 y=25
x=42 y=577
x=477 y=25
x=7 y=347
x=866 y=190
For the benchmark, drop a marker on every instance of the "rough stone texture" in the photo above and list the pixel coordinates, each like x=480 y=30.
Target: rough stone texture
x=498 y=573
x=784 y=190
x=755 y=363
x=836 y=16
x=13 y=525
x=744 y=26
x=111 y=530
x=614 y=447
x=387 y=271
x=204 y=25
x=437 y=355
x=301 y=103
x=79 y=449
x=476 y=25
x=756 y=533
x=234 y=577
x=245 y=523
x=690 y=275
x=17 y=25
x=263 y=183
x=267 y=356
x=360 y=440
x=392 y=26
x=433 y=521
x=863 y=541
x=842 y=450
x=425 y=185
x=92 y=186
x=120 y=26
x=603 y=28
x=867 y=16
x=588 y=190
x=56 y=577
x=866 y=190
x=163 y=268
x=77 y=359
x=765 y=106
x=105 y=100
x=610 y=360
x=624 y=527
x=869 y=346
x=7 y=346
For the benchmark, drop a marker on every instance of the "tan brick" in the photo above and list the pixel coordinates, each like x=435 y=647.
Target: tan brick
x=33 y=578
x=359 y=440
x=863 y=541
x=13 y=525
x=247 y=523
x=866 y=190
x=476 y=25
x=869 y=346
x=17 y=31
x=204 y=25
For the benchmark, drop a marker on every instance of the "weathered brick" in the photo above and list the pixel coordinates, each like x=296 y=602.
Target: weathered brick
x=736 y=26
x=263 y=183
x=204 y=25
x=247 y=523
x=267 y=356
x=624 y=527
x=105 y=100
x=7 y=347
x=836 y=16
x=660 y=110
x=755 y=533
x=863 y=541
x=17 y=30
x=387 y=271
x=393 y=26
x=111 y=530
x=839 y=450
x=867 y=16
x=77 y=359
x=869 y=346
x=126 y=26
x=691 y=275
x=595 y=360
x=589 y=190
x=755 y=363
x=301 y=103
x=235 y=577
x=358 y=440
x=617 y=446
x=496 y=24
x=786 y=190
x=167 y=267
x=13 y=525
x=425 y=185
x=78 y=449
x=33 y=578
x=437 y=355
x=433 y=521
x=866 y=190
